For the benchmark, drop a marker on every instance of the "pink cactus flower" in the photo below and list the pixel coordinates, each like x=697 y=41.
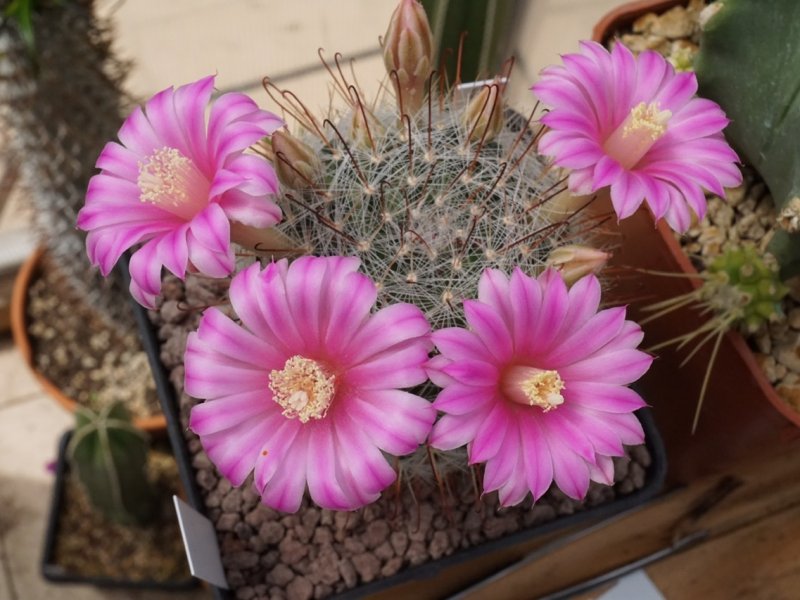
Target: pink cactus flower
x=536 y=386
x=307 y=390
x=635 y=125
x=174 y=183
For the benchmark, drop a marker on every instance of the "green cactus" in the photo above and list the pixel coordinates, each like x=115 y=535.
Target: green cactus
x=486 y=23
x=742 y=281
x=109 y=456
x=749 y=63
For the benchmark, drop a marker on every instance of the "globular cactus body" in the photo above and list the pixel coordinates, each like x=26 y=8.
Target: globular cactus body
x=749 y=63
x=109 y=456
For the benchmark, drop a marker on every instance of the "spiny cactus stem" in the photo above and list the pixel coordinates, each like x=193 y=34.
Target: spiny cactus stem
x=552 y=192
x=363 y=112
x=309 y=123
x=476 y=487
x=523 y=131
x=506 y=68
x=353 y=161
x=461 y=39
x=439 y=484
x=424 y=192
x=325 y=64
x=407 y=121
x=524 y=153
x=323 y=220
x=429 y=156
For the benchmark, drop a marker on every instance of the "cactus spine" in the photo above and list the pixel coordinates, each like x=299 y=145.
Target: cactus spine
x=109 y=456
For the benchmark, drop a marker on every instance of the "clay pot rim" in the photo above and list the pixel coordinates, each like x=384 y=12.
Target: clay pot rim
x=616 y=19
x=154 y=425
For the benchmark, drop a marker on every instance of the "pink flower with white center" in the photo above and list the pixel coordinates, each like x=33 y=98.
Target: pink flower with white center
x=175 y=182
x=307 y=389
x=635 y=125
x=536 y=386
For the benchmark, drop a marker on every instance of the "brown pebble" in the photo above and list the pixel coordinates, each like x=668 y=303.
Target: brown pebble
x=280 y=575
x=440 y=545
x=322 y=591
x=310 y=518
x=638 y=475
x=367 y=566
x=232 y=501
x=259 y=515
x=227 y=521
x=206 y=479
x=377 y=533
x=303 y=533
x=641 y=455
x=353 y=546
x=245 y=593
x=384 y=552
x=348 y=572
x=539 y=513
x=292 y=550
x=621 y=464
x=326 y=565
x=392 y=566
x=270 y=559
x=271 y=532
x=417 y=553
x=242 y=530
x=399 y=541
x=322 y=535
x=240 y=560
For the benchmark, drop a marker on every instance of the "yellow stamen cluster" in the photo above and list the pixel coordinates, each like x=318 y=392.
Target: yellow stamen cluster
x=543 y=389
x=166 y=178
x=647 y=119
x=302 y=388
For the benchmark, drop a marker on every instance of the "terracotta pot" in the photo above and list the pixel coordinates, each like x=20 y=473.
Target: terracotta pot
x=742 y=415
x=155 y=425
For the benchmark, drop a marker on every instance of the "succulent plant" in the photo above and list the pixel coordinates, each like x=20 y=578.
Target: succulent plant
x=60 y=101
x=109 y=456
x=426 y=199
x=748 y=64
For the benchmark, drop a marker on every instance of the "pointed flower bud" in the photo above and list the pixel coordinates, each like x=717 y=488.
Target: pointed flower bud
x=296 y=165
x=573 y=262
x=408 y=50
x=483 y=116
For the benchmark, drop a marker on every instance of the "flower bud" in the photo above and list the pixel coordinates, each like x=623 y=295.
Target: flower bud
x=408 y=50
x=573 y=262
x=483 y=116
x=296 y=165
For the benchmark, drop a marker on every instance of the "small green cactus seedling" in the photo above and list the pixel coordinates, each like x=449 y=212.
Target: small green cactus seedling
x=109 y=456
x=740 y=289
x=742 y=283
x=749 y=63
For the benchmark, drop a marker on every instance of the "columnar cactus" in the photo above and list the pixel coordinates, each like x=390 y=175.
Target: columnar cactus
x=109 y=456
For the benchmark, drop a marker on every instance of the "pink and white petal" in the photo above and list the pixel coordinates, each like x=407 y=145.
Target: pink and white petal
x=676 y=92
x=526 y=302
x=145 y=269
x=323 y=484
x=275 y=308
x=160 y=111
x=620 y=367
x=697 y=119
x=284 y=491
x=571 y=122
x=454 y=431
x=234 y=451
x=570 y=471
x=211 y=375
x=459 y=399
x=602 y=437
x=137 y=134
x=626 y=425
x=595 y=86
x=230 y=339
x=459 y=344
x=652 y=70
x=604 y=397
x=627 y=194
x=607 y=172
x=603 y=470
x=557 y=426
x=363 y=465
x=190 y=107
x=119 y=161
x=351 y=299
x=490 y=435
x=173 y=251
x=224 y=181
x=584 y=299
x=111 y=192
x=554 y=307
x=212 y=229
x=257 y=172
x=576 y=153
x=678 y=215
x=393 y=325
x=396 y=421
x=434 y=368
x=473 y=372
x=403 y=367
x=514 y=490
x=536 y=456
x=623 y=68
x=491 y=329
x=104 y=246
x=254 y=211
x=593 y=335
x=501 y=468
x=246 y=290
x=305 y=282
x=276 y=443
x=656 y=194
x=493 y=290
x=228 y=411
x=209 y=262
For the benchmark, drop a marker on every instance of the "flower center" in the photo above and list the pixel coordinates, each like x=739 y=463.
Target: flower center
x=302 y=388
x=534 y=387
x=642 y=128
x=171 y=181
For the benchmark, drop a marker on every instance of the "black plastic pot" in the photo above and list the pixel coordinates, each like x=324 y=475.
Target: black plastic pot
x=656 y=475
x=55 y=572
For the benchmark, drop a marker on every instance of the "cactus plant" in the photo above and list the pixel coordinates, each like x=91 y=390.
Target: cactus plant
x=748 y=64
x=109 y=456
x=60 y=101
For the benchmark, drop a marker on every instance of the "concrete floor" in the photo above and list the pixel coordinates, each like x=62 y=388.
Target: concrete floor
x=241 y=40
